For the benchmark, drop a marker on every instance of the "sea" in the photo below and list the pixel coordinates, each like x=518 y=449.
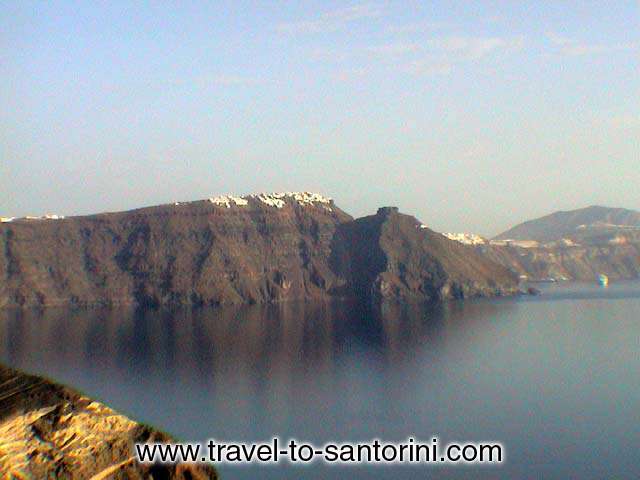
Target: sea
x=554 y=378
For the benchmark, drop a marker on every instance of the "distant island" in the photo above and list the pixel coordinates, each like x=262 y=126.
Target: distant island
x=569 y=245
x=230 y=250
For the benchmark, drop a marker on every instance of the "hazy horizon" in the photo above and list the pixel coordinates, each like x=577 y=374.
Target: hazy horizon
x=471 y=117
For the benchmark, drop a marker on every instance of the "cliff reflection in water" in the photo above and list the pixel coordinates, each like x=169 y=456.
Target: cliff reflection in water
x=242 y=362
x=555 y=378
x=285 y=340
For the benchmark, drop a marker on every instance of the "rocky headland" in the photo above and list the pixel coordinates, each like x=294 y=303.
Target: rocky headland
x=231 y=250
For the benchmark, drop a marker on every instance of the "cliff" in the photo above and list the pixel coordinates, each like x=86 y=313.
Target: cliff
x=206 y=252
x=231 y=250
x=580 y=222
x=50 y=431
x=569 y=262
x=392 y=255
x=572 y=245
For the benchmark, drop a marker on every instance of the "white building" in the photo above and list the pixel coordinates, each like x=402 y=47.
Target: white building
x=466 y=238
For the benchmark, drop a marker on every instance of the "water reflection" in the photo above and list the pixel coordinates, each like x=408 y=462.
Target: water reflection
x=261 y=369
x=286 y=342
x=556 y=378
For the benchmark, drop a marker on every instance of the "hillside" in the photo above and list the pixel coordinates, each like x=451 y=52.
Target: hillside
x=395 y=256
x=569 y=262
x=230 y=250
x=585 y=221
x=51 y=431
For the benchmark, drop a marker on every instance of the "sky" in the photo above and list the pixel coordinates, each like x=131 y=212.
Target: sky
x=471 y=116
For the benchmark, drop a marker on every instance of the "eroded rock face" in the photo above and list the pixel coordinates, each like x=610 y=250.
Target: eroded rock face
x=233 y=250
x=216 y=251
x=569 y=262
x=574 y=245
x=394 y=256
x=50 y=431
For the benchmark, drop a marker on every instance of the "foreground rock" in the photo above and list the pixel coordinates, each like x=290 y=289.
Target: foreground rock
x=49 y=431
x=232 y=250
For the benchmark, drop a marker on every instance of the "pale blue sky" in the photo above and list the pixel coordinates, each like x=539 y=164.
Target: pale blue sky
x=471 y=116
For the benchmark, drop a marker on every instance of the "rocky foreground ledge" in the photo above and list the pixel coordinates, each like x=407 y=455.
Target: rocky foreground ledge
x=50 y=431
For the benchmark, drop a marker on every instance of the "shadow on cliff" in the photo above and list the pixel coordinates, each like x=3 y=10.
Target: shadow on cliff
x=357 y=257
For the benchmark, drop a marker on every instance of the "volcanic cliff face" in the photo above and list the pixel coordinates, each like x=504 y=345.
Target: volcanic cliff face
x=573 y=245
x=208 y=252
x=50 y=431
x=395 y=256
x=569 y=262
x=231 y=250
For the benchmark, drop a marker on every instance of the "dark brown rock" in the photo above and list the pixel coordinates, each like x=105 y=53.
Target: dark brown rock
x=203 y=253
x=196 y=253
x=394 y=256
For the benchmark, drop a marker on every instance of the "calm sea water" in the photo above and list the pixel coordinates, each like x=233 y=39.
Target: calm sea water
x=555 y=378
